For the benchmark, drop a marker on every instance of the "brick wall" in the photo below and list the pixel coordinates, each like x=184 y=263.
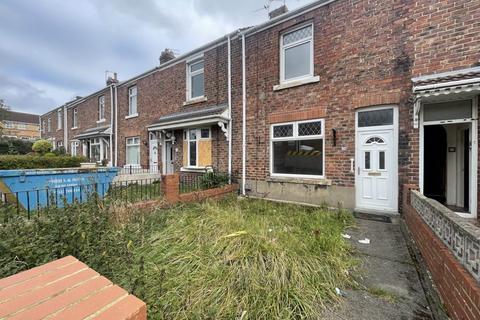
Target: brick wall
x=445 y=35
x=459 y=291
x=164 y=92
x=361 y=59
x=87 y=115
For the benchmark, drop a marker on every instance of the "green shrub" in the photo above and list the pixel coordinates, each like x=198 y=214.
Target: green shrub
x=42 y=146
x=49 y=154
x=15 y=146
x=60 y=151
x=38 y=162
x=212 y=180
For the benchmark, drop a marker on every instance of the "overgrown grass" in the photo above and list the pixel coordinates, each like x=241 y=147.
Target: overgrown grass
x=229 y=259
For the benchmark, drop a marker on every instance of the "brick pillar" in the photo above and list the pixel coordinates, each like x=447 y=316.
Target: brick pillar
x=171 y=187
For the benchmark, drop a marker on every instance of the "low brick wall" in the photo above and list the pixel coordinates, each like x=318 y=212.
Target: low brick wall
x=450 y=249
x=66 y=289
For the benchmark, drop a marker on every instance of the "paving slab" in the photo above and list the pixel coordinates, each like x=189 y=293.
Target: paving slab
x=388 y=282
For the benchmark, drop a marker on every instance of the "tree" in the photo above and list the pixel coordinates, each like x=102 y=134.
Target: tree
x=42 y=146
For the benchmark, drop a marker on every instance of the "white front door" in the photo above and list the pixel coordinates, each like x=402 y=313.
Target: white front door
x=169 y=157
x=376 y=170
x=153 y=152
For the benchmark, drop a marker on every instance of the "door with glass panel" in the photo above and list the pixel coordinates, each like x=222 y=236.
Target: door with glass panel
x=376 y=161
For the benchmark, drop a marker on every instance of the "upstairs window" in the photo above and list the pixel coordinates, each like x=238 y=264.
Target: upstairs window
x=296 y=54
x=101 y=108
x=297 y=149
x=59 y=119
x=43 y=126
x=132 y=101
x=195 y=80
x=49 y=124
x=74 y=120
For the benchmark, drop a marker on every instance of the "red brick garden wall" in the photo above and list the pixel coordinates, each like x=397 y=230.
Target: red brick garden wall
x=459 y=291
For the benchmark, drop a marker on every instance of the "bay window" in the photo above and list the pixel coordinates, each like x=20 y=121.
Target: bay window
x=133 y=151
x=296 y=54
x=297 y=149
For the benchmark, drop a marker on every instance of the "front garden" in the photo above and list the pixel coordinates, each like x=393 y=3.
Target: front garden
x=225 y=259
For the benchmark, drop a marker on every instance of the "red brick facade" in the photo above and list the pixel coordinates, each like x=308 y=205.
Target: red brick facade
x=365 y=54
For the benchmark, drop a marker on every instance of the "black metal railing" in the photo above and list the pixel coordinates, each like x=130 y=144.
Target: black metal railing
x=31 y=202
x=139 y=169
x=190 y=182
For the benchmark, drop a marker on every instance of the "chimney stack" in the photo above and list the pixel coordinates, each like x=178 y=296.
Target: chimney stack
x=112 y=79
x=278 y=12
x=166 y=56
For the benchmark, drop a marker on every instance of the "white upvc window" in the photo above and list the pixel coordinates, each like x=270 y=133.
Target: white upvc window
x=22 y=125
x=49 y=124
x=297 y=149
x=195 y=79
x=101 y=108
x=44 y=126
x=192 y=136
x=296 y=54
x=59 y=119
x=73 y=148
x=74 y=120
x=133 y=151
x=9 y=125
x=96 y=149
x=132 y=101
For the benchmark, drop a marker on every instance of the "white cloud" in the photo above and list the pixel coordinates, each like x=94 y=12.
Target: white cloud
x=56 y=49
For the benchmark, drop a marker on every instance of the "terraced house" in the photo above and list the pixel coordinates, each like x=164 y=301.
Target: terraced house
x=338 y=101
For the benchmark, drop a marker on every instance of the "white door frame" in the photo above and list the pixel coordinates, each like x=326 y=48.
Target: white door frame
x=394 y=165
x=474 y=153
x=153 y=142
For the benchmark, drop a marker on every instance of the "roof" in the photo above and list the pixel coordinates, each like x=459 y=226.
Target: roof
x=95 y=132
x=66 y=289
x=457 y=75
x=21 y=117
x=181 y=119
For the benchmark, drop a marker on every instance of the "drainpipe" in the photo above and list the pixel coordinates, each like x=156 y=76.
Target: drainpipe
x=244 y=115
x=65 y=132
x=116 y=126
x=229 y=49
x=111 y=124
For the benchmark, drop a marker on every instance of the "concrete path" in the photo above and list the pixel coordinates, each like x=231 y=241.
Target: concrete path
x=389 y=287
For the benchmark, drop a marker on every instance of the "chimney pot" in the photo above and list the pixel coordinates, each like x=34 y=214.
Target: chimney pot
x=166 y=56
x=277 y=12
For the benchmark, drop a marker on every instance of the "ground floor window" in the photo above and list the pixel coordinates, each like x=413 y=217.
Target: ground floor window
x=192 y=138
x=73 y=148
x=95 y=149
x=297 y=148
x=133 y=151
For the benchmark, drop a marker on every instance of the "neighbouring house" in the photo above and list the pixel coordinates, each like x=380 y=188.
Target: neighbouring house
x=20 y=125
x=336 y=102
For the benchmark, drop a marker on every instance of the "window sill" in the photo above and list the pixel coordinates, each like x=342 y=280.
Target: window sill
x=59 y=129
x=101 y=121
x=300 y=180
x=193 y=169
x=135 y=115
x=73 y=128
x=296 y=83
x=194 y=101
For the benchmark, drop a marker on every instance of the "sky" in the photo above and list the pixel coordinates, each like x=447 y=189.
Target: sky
x=54 y=50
